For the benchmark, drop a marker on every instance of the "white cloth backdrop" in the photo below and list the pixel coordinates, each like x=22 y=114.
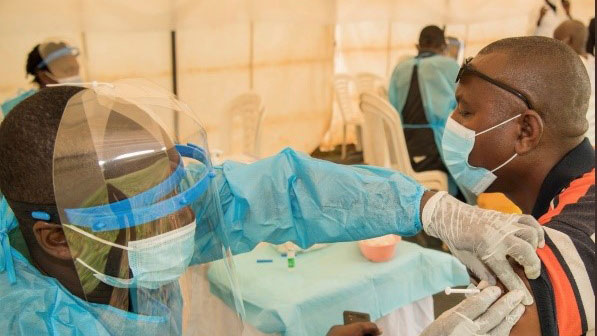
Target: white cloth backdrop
x=285 y=50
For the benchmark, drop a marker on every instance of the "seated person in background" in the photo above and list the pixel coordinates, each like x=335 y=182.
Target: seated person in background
x=552 y=13
x=453 y=48
x=533 y=138
x=574 y=34
x=422 y=91
x=48 y=63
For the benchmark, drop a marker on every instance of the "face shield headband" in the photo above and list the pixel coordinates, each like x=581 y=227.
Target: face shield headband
x=132 y=211
x=66 y=51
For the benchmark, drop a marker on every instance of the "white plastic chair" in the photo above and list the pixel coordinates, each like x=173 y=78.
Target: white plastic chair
x=369 y=82
x=383 y=132
x=343 y=85
x=244 y=113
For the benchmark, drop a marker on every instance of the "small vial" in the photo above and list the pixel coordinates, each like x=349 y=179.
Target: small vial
x=450 y=290
x=290 y=258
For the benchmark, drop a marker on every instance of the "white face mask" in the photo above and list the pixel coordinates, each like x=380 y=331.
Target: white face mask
x=457 y=144
x=154 y=261
x=76 y=79
x=70 y=80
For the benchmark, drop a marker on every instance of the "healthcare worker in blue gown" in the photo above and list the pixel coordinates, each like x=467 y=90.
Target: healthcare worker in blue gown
x=422 y=91
x=48 y=63
x=111 y=208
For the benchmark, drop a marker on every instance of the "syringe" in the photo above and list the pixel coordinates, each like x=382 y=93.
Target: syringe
x=450 y=290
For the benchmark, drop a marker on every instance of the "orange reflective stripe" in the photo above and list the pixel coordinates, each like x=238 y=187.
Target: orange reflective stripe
x=577 y=189
x=567 y=312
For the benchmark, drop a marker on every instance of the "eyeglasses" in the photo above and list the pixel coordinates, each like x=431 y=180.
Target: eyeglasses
x=468 y=69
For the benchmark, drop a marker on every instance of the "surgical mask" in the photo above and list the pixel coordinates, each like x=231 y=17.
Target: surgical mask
x=76 y=79
x=457 y=144
x=153 y=261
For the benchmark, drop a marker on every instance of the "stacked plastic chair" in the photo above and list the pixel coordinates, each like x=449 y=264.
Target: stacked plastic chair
x=383 y=130
x=247 y=112
x=344 y=89
x=369 y=82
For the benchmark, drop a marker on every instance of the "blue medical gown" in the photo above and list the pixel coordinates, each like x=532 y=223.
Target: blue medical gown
x=34 y=304
x=287 y=197
x=39 y=305
x=437 y=85
x=292 y=197
x=9 y=104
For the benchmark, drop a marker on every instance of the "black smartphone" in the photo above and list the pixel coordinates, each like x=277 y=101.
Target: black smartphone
x=352 y=317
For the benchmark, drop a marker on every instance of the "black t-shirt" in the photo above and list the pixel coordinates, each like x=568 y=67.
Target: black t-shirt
x=422 y=149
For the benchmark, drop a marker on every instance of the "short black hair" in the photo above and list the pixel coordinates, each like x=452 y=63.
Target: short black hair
x=27 y=137
x=591 y=39
x=432 y=37
x=552 y=75
x=33 y=61
x=574 y=33
x=27 y=143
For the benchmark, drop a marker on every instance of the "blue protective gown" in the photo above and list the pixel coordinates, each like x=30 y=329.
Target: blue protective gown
x=10 y=103
x=437 y=85
x=287 y=197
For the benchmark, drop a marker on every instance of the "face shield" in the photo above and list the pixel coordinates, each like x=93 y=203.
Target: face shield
x=137 y=200
x=61 y=61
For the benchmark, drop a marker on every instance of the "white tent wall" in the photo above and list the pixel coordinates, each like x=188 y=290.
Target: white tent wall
x=282 y=50
x=285 y=50
x=293 y=69
x=213 y=67
x=288 y=64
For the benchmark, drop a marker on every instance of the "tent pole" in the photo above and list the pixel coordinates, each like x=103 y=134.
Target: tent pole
x=465 y=40
x=174 y=80
x=173 y=54
x=251 y=53
x=389 y=49
x=85 y=54
x=84 y=46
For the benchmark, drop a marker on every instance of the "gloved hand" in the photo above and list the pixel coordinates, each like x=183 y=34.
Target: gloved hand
x=477 y=316
x=481 y=237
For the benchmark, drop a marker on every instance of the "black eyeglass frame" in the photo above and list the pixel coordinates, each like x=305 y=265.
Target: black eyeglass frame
x=468 y=69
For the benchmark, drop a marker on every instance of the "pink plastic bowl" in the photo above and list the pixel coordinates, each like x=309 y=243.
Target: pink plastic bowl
x=379 y=249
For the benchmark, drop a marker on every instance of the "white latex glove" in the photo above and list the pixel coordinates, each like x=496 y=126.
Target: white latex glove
x=481 y=238
x=479 y=315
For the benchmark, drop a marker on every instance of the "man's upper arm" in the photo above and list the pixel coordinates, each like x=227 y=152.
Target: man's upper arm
x=529 y=324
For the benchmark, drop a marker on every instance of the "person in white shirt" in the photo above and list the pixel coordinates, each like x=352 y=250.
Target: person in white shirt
x=550 y=16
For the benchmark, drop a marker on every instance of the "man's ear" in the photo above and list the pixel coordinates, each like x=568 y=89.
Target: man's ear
x=530 y=132
x=51 y=239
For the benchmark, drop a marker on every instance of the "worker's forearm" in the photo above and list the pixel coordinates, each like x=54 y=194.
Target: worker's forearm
x=291 y=197
x=426 y=196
